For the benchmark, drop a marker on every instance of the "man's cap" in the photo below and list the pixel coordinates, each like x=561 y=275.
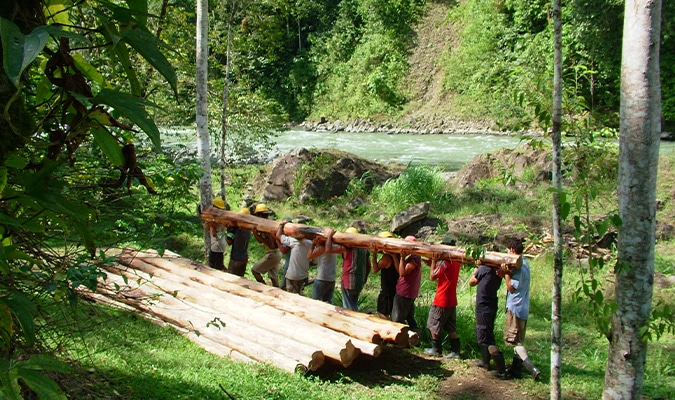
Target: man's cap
x=411 y=238
x=219 y=202
x=385 y=234
x=245 y=210
x=261 y=208
x=351 y=229
x=449 y=240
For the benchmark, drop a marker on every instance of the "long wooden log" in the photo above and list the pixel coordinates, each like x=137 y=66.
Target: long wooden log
x=374 y=243
x=335 y=345
x=198 y=321
x=207 y=344
x=354 y=324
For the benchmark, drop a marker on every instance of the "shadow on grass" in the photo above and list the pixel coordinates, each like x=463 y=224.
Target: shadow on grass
x=393 y=366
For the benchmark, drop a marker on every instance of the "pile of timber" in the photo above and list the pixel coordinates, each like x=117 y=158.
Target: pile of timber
x=245 y=320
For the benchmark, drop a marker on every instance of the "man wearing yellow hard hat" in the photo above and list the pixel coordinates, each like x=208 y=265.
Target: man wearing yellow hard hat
x=270 y=262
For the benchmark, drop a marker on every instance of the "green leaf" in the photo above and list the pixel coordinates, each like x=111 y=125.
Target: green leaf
x=88 y=70
x=16 y=161
x=148 y=47
x=108 y=145
x=133 y=108
x=42 y=385
x=3 y=180
x=140 y=8
x=565 y=209
x=60 y=32
x=24 y=311
x=120 y=51
x=19 y=50
x=57 y=10
x=44 y=362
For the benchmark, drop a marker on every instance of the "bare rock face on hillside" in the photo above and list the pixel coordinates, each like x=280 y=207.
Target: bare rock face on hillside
x=336 y=171
x=516 y=161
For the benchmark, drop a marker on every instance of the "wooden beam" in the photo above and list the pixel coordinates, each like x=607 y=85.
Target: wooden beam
x=374 y=243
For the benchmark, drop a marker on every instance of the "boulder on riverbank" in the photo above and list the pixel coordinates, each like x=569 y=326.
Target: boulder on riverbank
x=319 y=175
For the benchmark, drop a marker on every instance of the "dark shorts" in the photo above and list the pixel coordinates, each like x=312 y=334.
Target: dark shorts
x=295 y=286
x=237 y=267
x=385 y=303
x=323 y=290
x=514 y=329
x=216 y=260
x=442 y=319
x=403 y=308
x=485 y=328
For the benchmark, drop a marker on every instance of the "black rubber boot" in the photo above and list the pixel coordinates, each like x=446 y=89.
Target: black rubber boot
x=454 y=349
x=484 y=361
x=516 y=366
x=500 y=367
x=529 y=366
x=436 y=348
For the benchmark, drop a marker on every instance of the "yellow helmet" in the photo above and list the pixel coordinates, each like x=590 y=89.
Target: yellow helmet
x=219 y=202
x=245 y=210
x=385 y=234
x=261 y=208
x=351 y=229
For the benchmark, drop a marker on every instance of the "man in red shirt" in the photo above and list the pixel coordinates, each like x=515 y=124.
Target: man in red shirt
x=443 y=312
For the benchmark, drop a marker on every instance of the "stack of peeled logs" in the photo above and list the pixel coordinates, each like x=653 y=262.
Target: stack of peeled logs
x=245 y=320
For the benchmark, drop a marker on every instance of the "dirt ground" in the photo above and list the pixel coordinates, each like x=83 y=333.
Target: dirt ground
x=460 y=379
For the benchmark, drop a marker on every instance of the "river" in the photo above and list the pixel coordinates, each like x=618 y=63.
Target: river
x=448 y=151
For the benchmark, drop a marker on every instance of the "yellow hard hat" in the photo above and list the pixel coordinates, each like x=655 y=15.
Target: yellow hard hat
x=385 y=234
x=219 y=202
x=351 y=229
x=245 y=210
x=261 y=208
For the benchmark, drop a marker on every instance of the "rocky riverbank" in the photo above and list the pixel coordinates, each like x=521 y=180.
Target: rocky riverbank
x=434 y=126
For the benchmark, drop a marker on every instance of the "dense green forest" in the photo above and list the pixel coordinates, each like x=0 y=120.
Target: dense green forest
x=307 y=59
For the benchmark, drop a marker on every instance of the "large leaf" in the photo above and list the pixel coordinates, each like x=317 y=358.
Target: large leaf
x=133 y=108
x=119 y=50
x=108 y=145
x=60 y=32
x=148 y=46
x=24 y=311
x=140 y=8
x=44 y=362
x=57 y=10
x=42 y=385
x=88 y=70
x=19 y=50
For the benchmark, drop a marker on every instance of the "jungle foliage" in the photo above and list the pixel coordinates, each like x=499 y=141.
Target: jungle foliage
x=348 y=59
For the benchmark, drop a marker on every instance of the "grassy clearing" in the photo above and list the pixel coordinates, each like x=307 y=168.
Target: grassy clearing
x=123 y=356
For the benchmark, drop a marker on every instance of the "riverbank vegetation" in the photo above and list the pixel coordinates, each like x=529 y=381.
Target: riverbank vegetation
x=123 y=353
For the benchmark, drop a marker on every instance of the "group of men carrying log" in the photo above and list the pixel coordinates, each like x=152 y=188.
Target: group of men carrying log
x=400 y=265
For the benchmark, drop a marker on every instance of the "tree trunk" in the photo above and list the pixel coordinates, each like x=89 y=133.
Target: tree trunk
x=203 y=146
x=556 y=139
x=638 y=164
x=374 y=243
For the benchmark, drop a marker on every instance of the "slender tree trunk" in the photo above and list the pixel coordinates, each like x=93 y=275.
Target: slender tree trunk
x=203 y=147
x=638 y=164
x=556 y=124
x=226 y=93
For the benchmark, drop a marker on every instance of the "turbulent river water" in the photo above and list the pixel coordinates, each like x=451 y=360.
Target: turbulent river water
x=449 y=151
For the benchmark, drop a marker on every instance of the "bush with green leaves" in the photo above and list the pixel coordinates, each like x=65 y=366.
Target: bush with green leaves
x=416 y=184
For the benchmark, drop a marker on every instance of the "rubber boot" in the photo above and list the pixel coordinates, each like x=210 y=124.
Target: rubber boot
x=529 y=366
x=454 y=349
x=500 y=367
x=436 y=348
x=484 y=361
x=516 y=366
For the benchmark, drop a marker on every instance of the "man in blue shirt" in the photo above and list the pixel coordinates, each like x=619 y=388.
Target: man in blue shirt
x=517 y=311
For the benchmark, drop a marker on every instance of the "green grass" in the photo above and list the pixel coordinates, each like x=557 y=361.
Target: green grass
x=123 y=356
